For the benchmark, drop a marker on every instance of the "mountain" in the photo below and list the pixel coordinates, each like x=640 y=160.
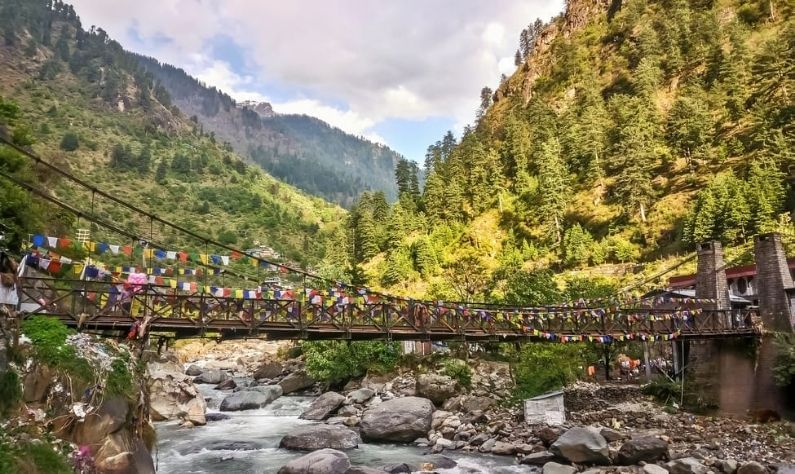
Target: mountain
x=82 y=102
x=630 y=131
x=300 y=150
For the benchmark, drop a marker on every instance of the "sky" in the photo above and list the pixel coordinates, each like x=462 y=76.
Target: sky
x=398 y=72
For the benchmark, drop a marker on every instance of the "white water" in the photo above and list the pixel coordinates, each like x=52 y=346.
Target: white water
x=248 y=442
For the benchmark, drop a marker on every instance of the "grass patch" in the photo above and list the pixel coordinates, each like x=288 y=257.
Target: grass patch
x=119 y=381
x=459 y=371
x=49 y=344
x=33 y=457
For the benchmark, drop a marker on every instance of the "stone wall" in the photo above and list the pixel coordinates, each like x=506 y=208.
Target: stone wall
x=773 y=282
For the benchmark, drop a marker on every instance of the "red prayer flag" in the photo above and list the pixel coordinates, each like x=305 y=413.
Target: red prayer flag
x=127 y=250
x=64 y=243
x=235 y=255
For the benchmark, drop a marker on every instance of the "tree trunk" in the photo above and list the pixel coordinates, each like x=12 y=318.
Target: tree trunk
x=642 y=212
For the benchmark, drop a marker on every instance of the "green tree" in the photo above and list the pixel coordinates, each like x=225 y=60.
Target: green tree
x=690 y=126
x=536 y=288
x=766 y=193
x=339 y=361
x=577 y=246
x=160 y=174
x=553 y=183
x=635 y=152
x=70 y=142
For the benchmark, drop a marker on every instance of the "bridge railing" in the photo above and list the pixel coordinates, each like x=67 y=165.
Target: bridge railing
x=102 y=304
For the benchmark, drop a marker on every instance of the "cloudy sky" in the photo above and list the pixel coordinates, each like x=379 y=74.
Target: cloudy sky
x=400 y=72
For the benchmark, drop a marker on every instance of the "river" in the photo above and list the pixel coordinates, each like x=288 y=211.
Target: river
x=248 y=442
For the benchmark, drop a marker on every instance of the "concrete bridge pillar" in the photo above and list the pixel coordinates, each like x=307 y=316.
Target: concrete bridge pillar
x=775 y=288
x=711 y=275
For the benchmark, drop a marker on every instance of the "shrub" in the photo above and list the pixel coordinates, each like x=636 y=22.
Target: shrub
x=459 y=371
x=119 y=380
x=338 y=361
x=545 y=367
x=70 y=142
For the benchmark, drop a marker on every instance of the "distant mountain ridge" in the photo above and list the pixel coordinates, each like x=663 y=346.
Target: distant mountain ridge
x=301 y=150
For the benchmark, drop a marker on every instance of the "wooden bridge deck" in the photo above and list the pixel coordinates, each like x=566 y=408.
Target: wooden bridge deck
x=93 y=305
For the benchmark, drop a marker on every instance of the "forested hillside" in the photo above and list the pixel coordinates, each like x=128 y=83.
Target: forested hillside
x=79 y=100
x=300 y=150
x=629 y=131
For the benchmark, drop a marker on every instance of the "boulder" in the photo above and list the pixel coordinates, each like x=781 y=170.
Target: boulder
x=401 y=468
x=654 y=469
x=752 y=467
x=728 y=466
x=213 y=376
x=172 y=395
x=193 y=370
x=582 y=446
x=488 y=445
x=686 y=466
x=227 y=384
x=501 y=447
x=611 y=435
x=363 y=470
x=436 y=388
x=323 y=406
x=251 y=399
x=323 y=461
x=120 y=452
x=36 y=383
x=555 y=468
x=296 y=381
x=110 y=417
x=548 y=435
x=400 y=419
x=537 y=459
x=216 y=416
x=268 y=370
x=312 y=437
x=647 y=448
x=472 y=404
x=361 y=396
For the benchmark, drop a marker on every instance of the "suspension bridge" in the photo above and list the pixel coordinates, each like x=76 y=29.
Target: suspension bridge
x=331 y=311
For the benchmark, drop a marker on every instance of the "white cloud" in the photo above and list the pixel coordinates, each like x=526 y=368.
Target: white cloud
x=410 y=59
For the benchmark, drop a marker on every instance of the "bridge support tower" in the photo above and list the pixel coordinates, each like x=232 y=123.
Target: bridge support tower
x=736 y=374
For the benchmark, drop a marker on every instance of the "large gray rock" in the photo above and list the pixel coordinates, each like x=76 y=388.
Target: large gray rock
x=537 y=459
x=363 y=470
x=436 y=388
x=172 y=395
x=296 y=381
x=251 y=399
x=686 y=466
x=555 y=468
x=323 y=406
x=193 y=370
x=400 y=419
x=268 y=370
x=213 y=376
x=646 y=448
x=654 y=469
x=312 y=437
x=752 y=467
x=362 y=395
x=582 y=446
x=472 y=404
x=324 y=461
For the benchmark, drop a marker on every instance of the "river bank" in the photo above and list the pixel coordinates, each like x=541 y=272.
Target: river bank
x=612 y=428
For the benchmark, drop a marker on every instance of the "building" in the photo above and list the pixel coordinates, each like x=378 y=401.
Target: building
x=741 y=280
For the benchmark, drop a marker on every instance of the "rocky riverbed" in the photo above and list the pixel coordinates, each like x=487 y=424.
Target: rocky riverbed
x=272 y=417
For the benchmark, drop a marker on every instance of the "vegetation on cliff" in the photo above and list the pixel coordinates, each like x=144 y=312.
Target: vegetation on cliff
x=629 y=131
x=85 y=104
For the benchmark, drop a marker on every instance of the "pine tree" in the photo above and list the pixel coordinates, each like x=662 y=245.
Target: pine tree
x=160 y=174
x=144 y=158
x=515 y=147
x=635 y=151
x=553 y=182
x=433 y=197
x=690 y=126
x=766 y=193
x=577 y=245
